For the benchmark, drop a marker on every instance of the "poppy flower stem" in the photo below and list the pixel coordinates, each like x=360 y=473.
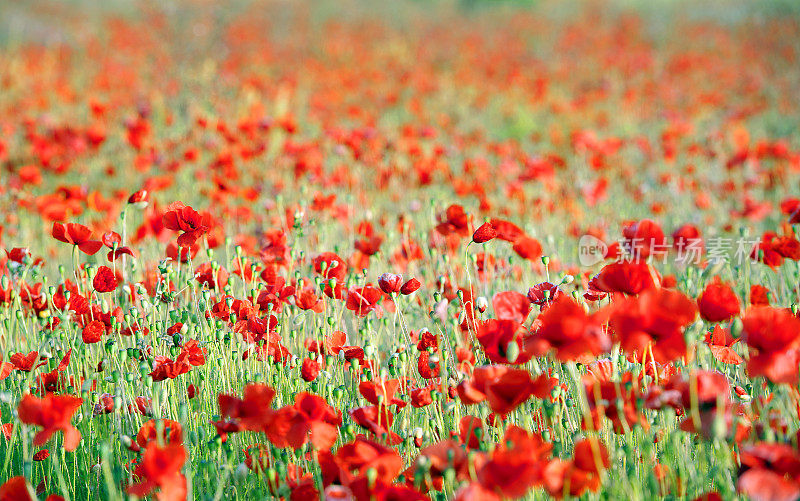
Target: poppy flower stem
x=124 y=242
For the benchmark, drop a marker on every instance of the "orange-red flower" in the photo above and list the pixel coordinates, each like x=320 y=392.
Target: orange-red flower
x=77 y=235
x=104 y=280
x=625 y=276
x=569 y=331
x=655 y=319
x=180 y=217
x=499 y=337
x=311 y=419
x=773 y=336
x=718 y=302
x=484 y=233
x=160 y=468
x=52 y=413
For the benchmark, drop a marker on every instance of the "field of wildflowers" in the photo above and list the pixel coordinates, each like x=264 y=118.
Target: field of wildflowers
x=457 y=250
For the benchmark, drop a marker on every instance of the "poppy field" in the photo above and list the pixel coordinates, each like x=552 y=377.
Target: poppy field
x=459 y=250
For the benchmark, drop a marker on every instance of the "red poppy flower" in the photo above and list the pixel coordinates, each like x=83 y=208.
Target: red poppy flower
x=19 y=255
x=454 y=221
x=626 y=277
x=111 y=238
x=309 y=370
x=115 y=254
x=687 y=238
x=470 y=431
x=509 y=391
x=311 y=419
x=363 y=300
x=16 y=489
x=517 y=465
x=390 y=283
x=718 y=302
x=484 y=233
x=591 y=456
x=363 y=454
x=410 y=287
x=773 y=336
x=506 y=230
x=52 y=413
x=160 y=468
x=165 y=430
x=334 y=342
x=181 y=254
x=644 y=238
x=543 y=293
x=330 y=265
x=769 y=250
x=511 y=305
x=93 y=332
x=759 y=295
x=788 y=247
x=503 y=387
x=369 y=246
x=104 y=280
x=207 y=275
x=656 y=319
x=180 y=217
x=193 y=353
x=5 y=369
x=377 y=420
x=566 y=328
x=78 y=235
x=502 y=341
x=253 y=411
x=436 y=460
x=427 y=366
x=765 y=485
x=139 y=198
x=166 y=368
x=25 y=363
x=381 y=392
x=421 y=397
x=308 y=300
x=580 y=475
x=720 y=342
x=770 y=471
x=527 y=247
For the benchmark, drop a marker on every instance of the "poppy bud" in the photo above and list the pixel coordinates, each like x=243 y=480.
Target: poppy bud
x=390 y=283
x=139 y=199
x=484 y=233
x=410 y=287
x=130 y=444
x=736 y=327
x=512 y=352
